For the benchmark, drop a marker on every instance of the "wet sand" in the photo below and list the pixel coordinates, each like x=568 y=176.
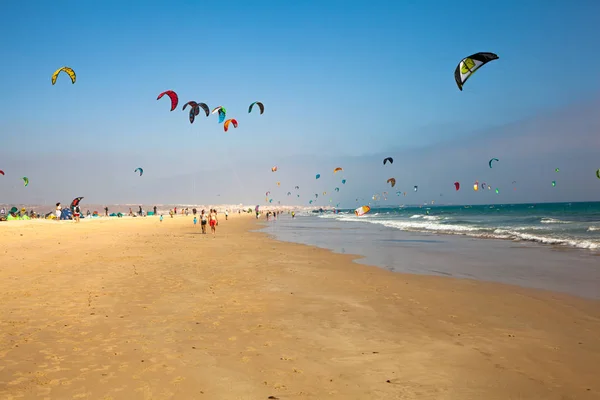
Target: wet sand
x=138 y=309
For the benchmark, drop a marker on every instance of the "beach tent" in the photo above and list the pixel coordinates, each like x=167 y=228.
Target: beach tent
x=66 y=214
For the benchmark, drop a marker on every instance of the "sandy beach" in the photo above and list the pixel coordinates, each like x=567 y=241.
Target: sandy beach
x=139 y=309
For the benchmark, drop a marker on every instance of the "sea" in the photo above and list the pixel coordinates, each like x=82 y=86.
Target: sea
x=551 y=246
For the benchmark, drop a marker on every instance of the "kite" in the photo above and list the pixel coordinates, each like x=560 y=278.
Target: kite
x=360 y=211
x=266 y=194
x=273 y=169
x=192 y=114
x=66 y=70
x=490 y=162
x=317 y=176
x=75 y=202
x=140 y=170
x=467 y=66
x=297 y=187
x=338 y=169
x=483 y=185
x=597 y=173
x=557 y=170
x=476 y=186
x=390 y=159
x=392 y=181
x=415 y=188
x=260 y=106
x=1 y=172
x=278 y=183
x=289 y=193
x=233 y=121
x=497 y=191
x=25 y=181
x=457 y=186
x=172 y=95
x=343 y=181
x=222 y=112
x=196 y=107
x=553 y=183
x=337 y=189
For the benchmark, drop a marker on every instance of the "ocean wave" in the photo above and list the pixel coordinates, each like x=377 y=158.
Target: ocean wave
x=571 y=242
x=490 y=232
x=593 y=229
x=553 y=221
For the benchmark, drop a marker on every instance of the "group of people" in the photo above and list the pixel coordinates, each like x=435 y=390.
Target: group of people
x=211 y=218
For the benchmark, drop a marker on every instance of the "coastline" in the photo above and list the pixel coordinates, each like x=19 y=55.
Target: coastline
x=523 y=263
x=142 y=309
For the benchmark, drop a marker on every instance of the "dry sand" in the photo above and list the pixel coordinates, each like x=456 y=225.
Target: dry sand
x=137 y=309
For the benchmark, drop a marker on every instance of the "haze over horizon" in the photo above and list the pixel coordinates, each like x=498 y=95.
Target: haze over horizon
x=344 y=85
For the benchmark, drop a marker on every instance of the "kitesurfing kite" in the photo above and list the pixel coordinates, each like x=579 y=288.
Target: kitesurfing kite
x=232 y=121
x=195 y=109
x=66 y=70
x=388 y=159
x=317 y=176
x=75 y=202
x=297 y=187
x=392 y=181
x=337 y=189
x=25 y=181
x=476 y=186
x=338 y=169
x=172 y=95
x=273 y=169
x=362 y=210
x=457 y=186
x=497 y=191
x=260 y=106
x=553 y=183
x=343 y=181
x=222 y=112
x=141 y=171
x=267 y=193
x=490 y=162
x=467 y=66
x=415 y=188
x=289 y=193
x=1 y=172
x=597 y=173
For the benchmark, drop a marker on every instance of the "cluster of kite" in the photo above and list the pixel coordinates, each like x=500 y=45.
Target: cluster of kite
x=195 y=109
x=193 y=113
x=24 y=179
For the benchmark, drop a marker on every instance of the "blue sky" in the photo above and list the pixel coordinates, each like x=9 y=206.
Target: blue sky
x=341 y=81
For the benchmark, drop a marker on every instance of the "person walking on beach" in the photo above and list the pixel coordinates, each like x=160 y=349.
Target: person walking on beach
x=226 y=215
x=155 y=210
x=106 y=211
x=58 y=211
x=203 y=222
x=214 y=221
x=195 y=221
x=76 y=213
x=161 y=217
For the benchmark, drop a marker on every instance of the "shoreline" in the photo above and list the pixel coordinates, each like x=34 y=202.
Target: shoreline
x=524 y=264
x=143 y=309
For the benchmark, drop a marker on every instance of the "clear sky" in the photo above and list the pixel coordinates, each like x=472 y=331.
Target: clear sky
x=342 y=81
